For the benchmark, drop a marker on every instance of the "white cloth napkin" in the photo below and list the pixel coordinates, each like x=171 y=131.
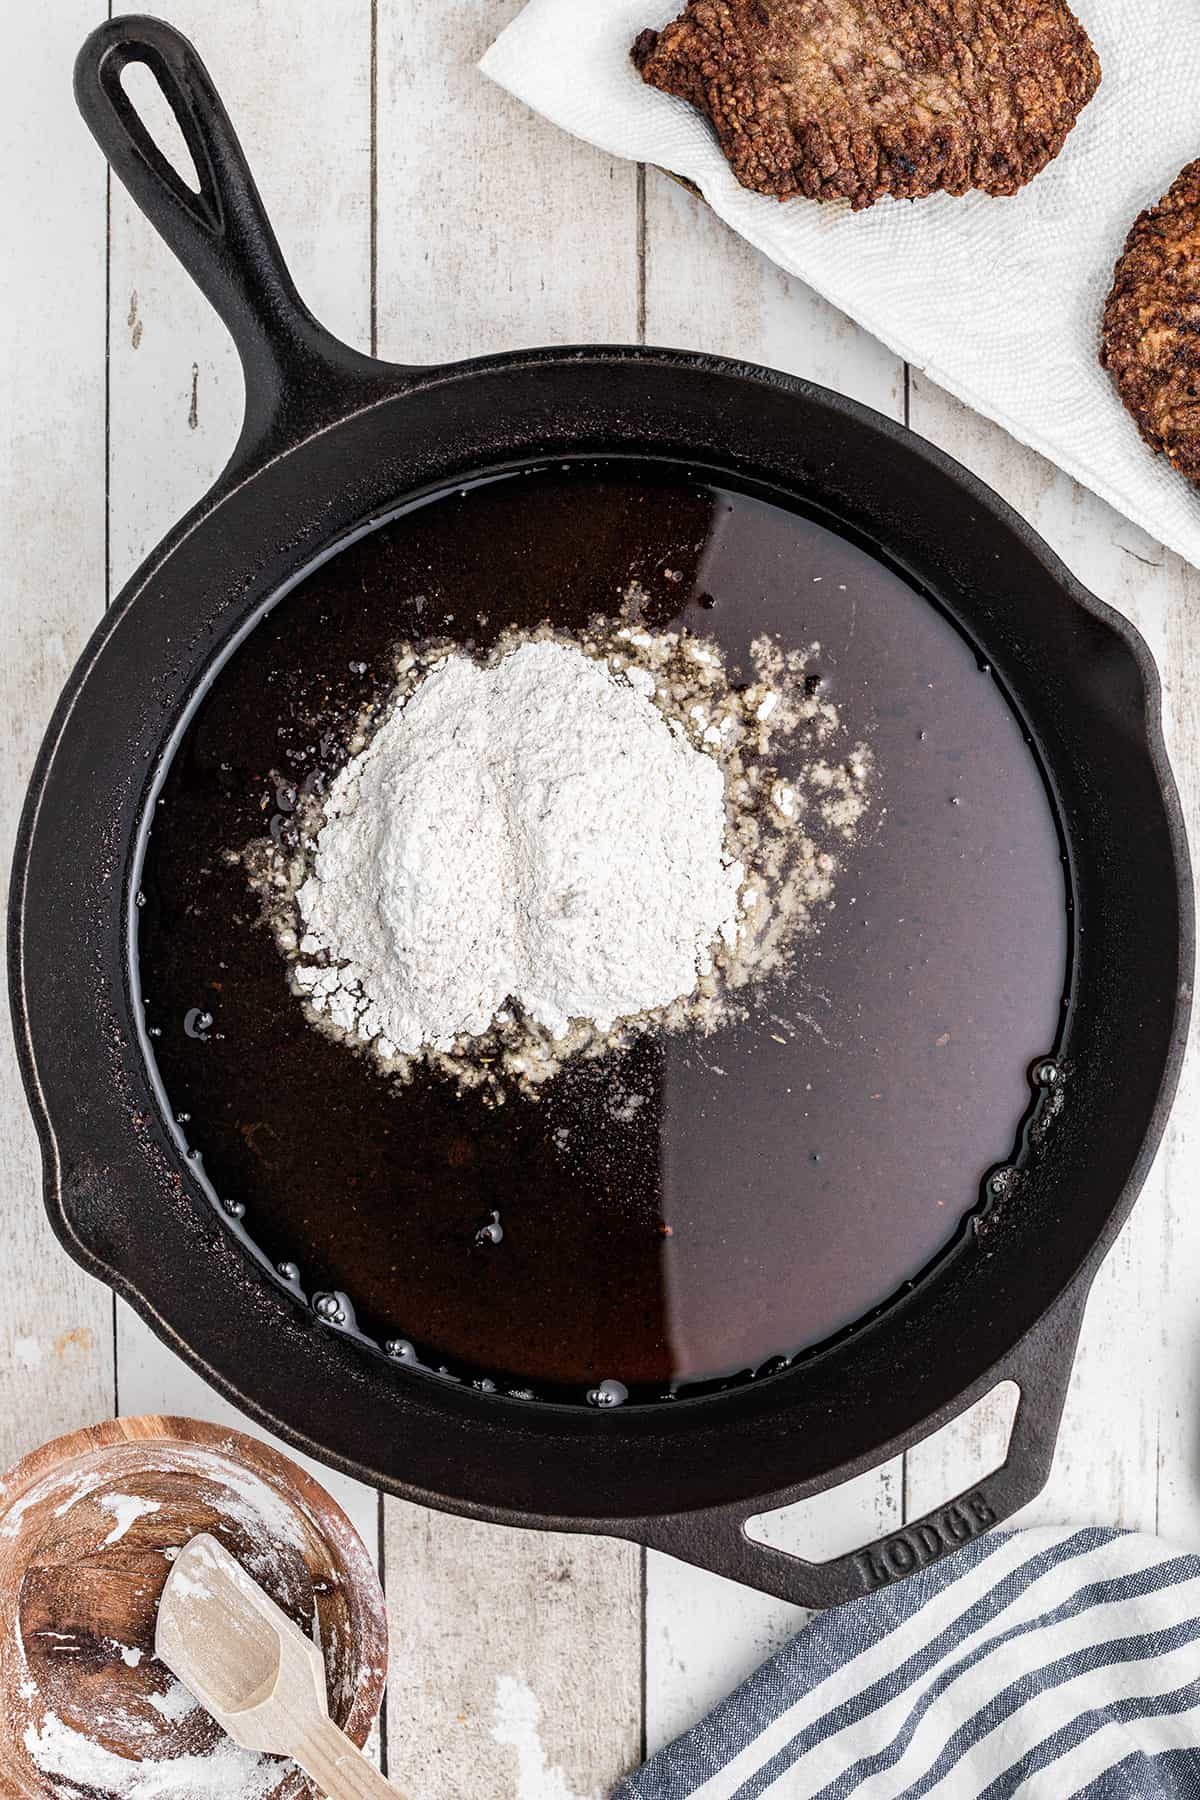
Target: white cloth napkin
x=998 y=300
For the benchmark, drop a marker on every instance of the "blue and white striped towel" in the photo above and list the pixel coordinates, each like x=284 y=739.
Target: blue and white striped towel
x=1042 y=1664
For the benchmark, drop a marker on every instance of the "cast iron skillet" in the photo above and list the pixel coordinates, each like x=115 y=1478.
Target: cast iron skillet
x=332 y=439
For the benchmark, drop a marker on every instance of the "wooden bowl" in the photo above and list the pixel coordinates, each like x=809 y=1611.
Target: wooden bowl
x=88 y=1525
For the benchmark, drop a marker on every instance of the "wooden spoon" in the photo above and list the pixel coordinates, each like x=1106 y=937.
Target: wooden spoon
x=255 y=1671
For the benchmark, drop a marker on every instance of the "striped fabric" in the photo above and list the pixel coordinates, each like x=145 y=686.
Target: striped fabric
x=1041 y=1664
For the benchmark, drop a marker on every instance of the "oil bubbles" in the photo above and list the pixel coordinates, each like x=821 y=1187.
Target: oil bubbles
x=608 y=1394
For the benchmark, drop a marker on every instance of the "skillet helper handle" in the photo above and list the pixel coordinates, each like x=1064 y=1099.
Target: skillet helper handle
x=1040 y=1366
x=296 y=371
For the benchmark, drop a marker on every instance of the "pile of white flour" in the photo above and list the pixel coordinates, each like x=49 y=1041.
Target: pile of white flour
x=534 y=830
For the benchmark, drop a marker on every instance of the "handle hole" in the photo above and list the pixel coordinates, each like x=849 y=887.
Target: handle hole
x=837 y=1522
x=846 y=1518
x=964 y=1452
x=145 y=94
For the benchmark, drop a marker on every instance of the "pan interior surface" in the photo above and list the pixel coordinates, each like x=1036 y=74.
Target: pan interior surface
x=689 y=1209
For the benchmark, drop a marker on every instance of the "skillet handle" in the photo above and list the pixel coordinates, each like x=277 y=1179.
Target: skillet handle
x=298 y=375
x=1040 y=1366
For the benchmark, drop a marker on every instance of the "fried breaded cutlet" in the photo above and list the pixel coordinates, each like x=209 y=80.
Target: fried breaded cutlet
x=1151 y=333
x=855 y=99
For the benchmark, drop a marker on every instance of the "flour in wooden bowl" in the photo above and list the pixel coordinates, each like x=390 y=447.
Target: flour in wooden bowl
x=89 y=1528
x=79 y=1765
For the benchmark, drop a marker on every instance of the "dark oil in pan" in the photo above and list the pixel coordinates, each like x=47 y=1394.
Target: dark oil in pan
x=691 y=1208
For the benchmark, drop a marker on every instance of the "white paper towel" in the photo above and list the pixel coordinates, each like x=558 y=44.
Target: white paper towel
x=999 y=300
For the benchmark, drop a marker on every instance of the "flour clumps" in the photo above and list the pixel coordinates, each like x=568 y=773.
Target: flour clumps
x=533 y=831
x=541 y=853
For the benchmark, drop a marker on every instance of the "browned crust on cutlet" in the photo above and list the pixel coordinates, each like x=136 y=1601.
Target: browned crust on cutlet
x=857 y=99
x=1151 y=331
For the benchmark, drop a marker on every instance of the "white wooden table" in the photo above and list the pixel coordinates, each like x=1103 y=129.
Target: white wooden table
x=427 y=216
